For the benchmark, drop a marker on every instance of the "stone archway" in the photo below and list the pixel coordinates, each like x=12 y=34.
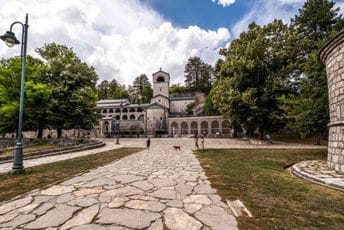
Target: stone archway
x=132 y=117
x=226 y=127
x=215 y=127
x=105 y=128
x=184 y=128
x=175 y=128
x=194 y=127
x=204 y=127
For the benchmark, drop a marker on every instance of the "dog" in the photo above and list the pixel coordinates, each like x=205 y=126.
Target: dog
x=176 y=147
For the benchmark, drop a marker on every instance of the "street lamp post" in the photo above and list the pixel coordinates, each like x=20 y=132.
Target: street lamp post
x=11 y=40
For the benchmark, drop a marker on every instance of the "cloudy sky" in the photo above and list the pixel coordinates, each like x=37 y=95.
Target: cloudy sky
x=124 y=38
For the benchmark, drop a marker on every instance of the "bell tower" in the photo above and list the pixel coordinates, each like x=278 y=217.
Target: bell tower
x=161 y=84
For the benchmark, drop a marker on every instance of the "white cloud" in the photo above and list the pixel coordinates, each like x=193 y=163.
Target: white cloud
x=121 y=39
x=265 y=11
x=224 y=3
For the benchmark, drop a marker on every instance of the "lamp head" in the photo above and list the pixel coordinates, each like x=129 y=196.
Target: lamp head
x=10 y=38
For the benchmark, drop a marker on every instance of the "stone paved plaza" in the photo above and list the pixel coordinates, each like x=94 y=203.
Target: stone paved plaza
x=153 y=189
x=318 y=172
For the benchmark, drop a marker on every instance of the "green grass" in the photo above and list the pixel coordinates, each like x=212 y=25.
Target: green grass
x=277 y=199
x=310 y=140
x=43 y=175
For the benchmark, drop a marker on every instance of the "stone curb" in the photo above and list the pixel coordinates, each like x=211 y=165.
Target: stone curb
x=54 y=152
x=300 y=173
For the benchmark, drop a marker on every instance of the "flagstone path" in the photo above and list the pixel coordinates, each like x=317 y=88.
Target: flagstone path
x=151 y=189
x=154 y=189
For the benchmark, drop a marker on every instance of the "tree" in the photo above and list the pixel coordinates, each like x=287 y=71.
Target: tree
x=37 y=95
x=308 y=108
x=209 y=107
x=73 y=82
x=142 y=89
x=111 y=90
x=103 y=90
x=179 y=89
x=254 y=75
x=199 y=75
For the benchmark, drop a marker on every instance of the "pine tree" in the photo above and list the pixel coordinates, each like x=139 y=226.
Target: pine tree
x=316 y=23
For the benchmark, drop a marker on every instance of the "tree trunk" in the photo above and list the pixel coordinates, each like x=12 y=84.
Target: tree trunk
x=261 y=133
x=318 y=138
x=40 y=133
x=235 y=132
x=59 y=132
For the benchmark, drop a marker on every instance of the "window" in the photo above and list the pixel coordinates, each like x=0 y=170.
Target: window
x=160 y=79
x=160 y=89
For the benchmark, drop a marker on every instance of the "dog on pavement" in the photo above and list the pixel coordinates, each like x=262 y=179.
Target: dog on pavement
x=176 y=147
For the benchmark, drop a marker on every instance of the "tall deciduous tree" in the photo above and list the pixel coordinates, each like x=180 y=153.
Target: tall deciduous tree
x=37 y=95
x=73 y=82
x=254 y=75
x=199 y=75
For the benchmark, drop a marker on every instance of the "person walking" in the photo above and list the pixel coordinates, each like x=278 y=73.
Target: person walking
x=196 y=141
x=148 y=142
x=202 y=142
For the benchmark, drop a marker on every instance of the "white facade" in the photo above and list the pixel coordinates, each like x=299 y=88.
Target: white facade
x=164 y=114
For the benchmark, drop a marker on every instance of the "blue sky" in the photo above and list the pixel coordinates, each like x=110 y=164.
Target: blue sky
x=209 y=15
x=203 y=13
x=122 y=39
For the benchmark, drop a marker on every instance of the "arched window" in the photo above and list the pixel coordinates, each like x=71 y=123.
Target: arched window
x=117 y=111
x=118 y=117
x=139 y=110
x=140 y=118
x=132 y=110
x=125 y=117
x=111 y=111
x=160 y=79
x=104 y=110
x=125 y=110
x=132 y=117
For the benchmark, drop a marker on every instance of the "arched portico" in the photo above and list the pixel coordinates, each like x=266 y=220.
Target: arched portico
x=212 y=126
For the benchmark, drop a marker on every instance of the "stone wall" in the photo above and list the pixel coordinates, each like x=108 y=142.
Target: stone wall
x=332 y=55
x=179 y=106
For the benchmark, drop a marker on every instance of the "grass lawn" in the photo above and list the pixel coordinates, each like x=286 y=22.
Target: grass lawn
x=30 y=149
x=43 y=175
x=277 y=199
x=298 y=139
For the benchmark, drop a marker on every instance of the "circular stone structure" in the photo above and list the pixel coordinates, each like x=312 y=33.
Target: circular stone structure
x=332 y=55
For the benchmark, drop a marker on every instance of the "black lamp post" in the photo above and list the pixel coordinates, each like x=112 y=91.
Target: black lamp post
x=11 y=40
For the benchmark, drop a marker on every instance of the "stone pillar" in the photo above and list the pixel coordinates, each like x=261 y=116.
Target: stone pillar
x=332 y=55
